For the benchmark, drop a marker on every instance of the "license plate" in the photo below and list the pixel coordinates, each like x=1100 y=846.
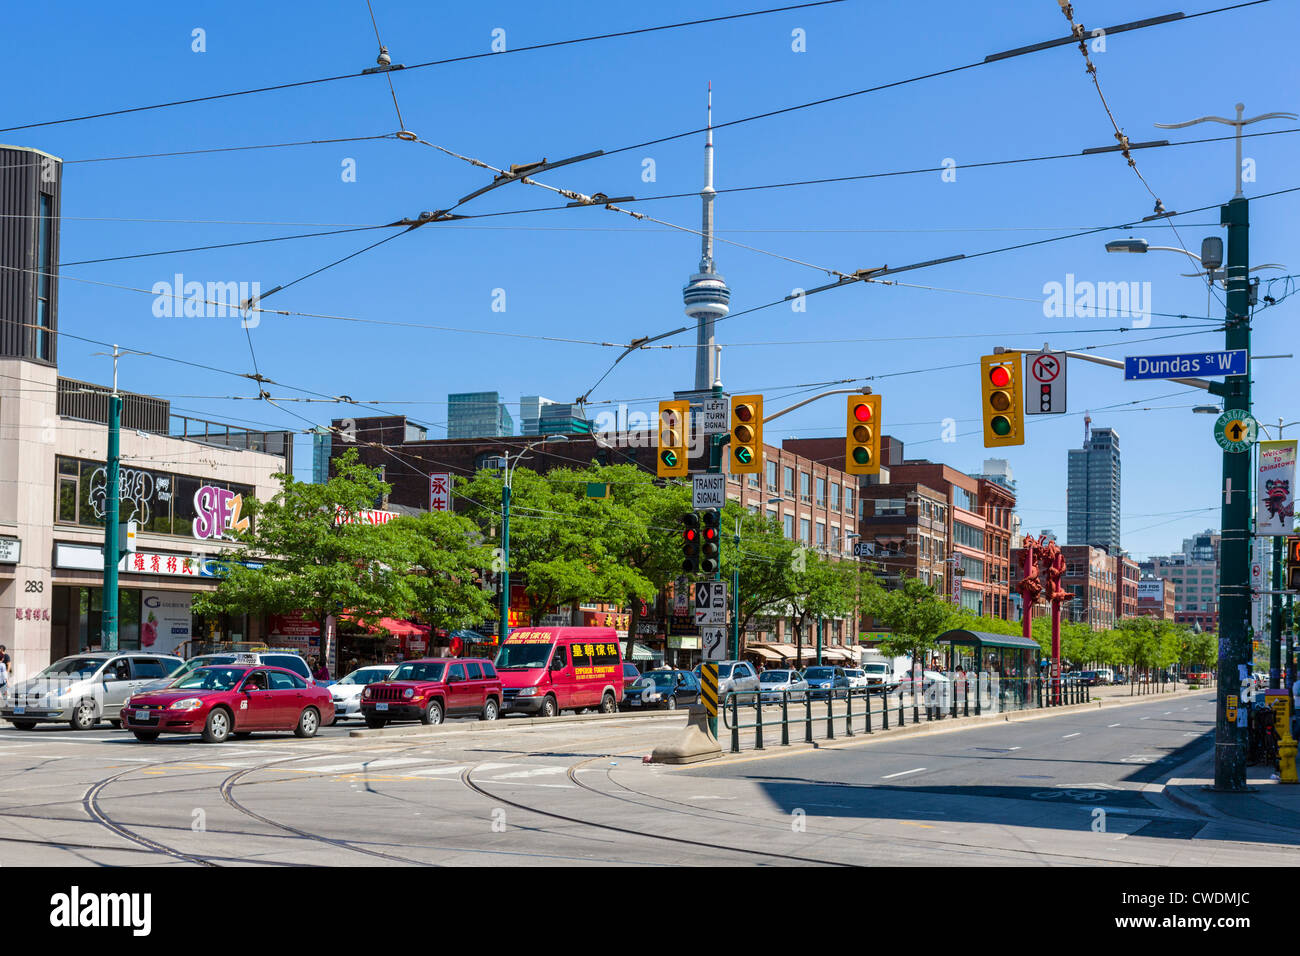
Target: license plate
x=144 y=715
x=20 y=710
x=635 y=702
x=381 y=706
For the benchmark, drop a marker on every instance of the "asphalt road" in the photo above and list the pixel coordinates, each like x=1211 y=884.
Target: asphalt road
x=1020 y=793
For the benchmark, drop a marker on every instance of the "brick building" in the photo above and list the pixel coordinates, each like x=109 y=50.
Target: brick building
x=1157 y=598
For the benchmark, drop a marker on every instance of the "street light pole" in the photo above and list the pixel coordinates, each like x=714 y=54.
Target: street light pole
x=504 y=620
x=1275 y=625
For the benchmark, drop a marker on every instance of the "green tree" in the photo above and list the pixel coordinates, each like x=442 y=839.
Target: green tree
x=305 y=559
x=447 y=556
x=766 y=560
x=915 y=615
x=819 y=588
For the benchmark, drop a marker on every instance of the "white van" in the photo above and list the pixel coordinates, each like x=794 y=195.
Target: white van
x=1105 y=676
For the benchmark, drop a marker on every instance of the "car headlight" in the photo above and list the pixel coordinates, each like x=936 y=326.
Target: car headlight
x=366 y=692
x=408 y=693
x=528 y=692
x=189 y=703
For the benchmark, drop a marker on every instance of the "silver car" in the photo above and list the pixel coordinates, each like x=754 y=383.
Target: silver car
x=347 y=692
x=84 y=689
x=736 y=677
x=772 y=682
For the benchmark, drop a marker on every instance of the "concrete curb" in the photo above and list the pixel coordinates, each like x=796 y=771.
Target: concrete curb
x=488 y=726
x=924 y=728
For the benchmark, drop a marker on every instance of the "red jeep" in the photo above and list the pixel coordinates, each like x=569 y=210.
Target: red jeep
x=432 y=688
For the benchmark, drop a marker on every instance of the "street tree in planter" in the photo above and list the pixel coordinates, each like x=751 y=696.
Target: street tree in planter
x=823 y=588
x=448 y=556
x=312 y=559
x=915 y=616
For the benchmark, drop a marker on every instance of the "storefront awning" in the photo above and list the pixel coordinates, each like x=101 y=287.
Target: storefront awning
x=396 y=628
x=833 y=654
x=640 y=653
x=988 y=640
x=764 y=651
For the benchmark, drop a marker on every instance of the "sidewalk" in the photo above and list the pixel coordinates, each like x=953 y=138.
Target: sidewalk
x=1269 y=802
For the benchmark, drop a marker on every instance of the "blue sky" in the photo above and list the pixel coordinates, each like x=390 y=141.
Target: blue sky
x=596 y=275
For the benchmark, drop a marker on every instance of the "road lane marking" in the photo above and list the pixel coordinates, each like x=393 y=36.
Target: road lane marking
x=535 y=772
x=904 y=773
x=1114 y=725
x=1144 y=718
x=1068 y=736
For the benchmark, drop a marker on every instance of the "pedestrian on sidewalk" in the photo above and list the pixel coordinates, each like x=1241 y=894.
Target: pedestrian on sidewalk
x=4 y=677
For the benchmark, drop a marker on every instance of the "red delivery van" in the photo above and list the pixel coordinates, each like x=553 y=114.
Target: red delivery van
x=545 y=670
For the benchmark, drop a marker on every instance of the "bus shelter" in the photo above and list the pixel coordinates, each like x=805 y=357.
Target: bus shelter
x=1001 y=668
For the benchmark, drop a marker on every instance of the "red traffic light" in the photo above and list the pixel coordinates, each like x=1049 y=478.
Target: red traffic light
x=1000 y=376
x=710 y=534
x=862 y=412
x=689 y=534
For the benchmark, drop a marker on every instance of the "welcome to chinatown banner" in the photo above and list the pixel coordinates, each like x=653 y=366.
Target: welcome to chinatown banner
x=1275 y=507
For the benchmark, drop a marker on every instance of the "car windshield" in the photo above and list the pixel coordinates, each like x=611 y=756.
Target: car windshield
x=196 y=662
x=417 y=670
x=72 y=667
x=875 y=668
x=724 y=670
x=210 y=678
x=855 y=673
x=774 y=677
x=819 y=672
x=660 y=678
x=367 y=675
x=629 y=670
x=513 y=657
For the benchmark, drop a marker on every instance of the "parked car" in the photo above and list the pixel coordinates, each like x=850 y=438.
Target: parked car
x=630 y=675
x=346 y=693
x=857 y=676
x=1090 y=678
x=772 y=683
x=1105 y=675
x=545 y=670
x=221 y=700
x=736 y=677
x=667 y=689
x=432 y=688
x=284 y=659
x=84 y=689
x=825 y=681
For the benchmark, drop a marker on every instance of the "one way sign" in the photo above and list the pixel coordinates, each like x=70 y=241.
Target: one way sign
x=1045 y=373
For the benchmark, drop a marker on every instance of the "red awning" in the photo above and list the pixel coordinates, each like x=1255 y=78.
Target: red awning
x=396 y=628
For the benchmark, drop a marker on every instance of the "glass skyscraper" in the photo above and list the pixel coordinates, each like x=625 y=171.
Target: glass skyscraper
x=478 y=415
x=1093 y=492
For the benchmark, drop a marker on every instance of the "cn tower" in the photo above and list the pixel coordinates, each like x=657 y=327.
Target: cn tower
x=706 y=296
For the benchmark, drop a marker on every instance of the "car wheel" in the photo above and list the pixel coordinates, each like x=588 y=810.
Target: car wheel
x=608 y=704
x=432 y=714
x=115 y=724
x=308 y=722
x=24 y=724
x=146 y=736
x=548 y=707
x=491 y=711
x=374 y=723
x=672 y=703
x=83 y=717
x=217 y=729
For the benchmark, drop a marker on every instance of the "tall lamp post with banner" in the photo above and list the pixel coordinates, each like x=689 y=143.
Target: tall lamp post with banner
x=1275 y=518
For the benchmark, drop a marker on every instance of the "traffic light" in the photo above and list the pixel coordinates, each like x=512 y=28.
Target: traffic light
x=710 y=553
x=1004 y=415
x=690 y=542
x=1293 y=564
x=746 y=434
x=673 y=418
x=862 y=436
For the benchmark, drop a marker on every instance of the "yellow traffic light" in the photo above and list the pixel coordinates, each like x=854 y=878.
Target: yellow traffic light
x=673 y=422
x=862 y=436
x=1003 y=410
x=746 y=434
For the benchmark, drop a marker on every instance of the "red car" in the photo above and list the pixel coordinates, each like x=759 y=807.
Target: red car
x=237 y=699
x=431 y=688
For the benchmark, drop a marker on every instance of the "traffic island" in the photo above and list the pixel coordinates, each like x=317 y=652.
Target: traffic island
x=693 y=744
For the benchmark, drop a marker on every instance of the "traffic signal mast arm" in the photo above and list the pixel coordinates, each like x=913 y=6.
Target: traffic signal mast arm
x=837 y=391
x=1108 y=362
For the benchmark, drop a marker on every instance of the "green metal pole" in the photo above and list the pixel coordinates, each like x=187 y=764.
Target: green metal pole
x=108 y=630
x=819 y=641
x=1234 y=606
x=504 y=627
x=1275 y=649
x=735 y=605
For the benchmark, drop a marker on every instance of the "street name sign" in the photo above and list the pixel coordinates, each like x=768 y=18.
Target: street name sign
x=1045 y=373
x=717 y=412
x=1139 y=367
x=713 y=643
x=1235 y=431
x=708 y=491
